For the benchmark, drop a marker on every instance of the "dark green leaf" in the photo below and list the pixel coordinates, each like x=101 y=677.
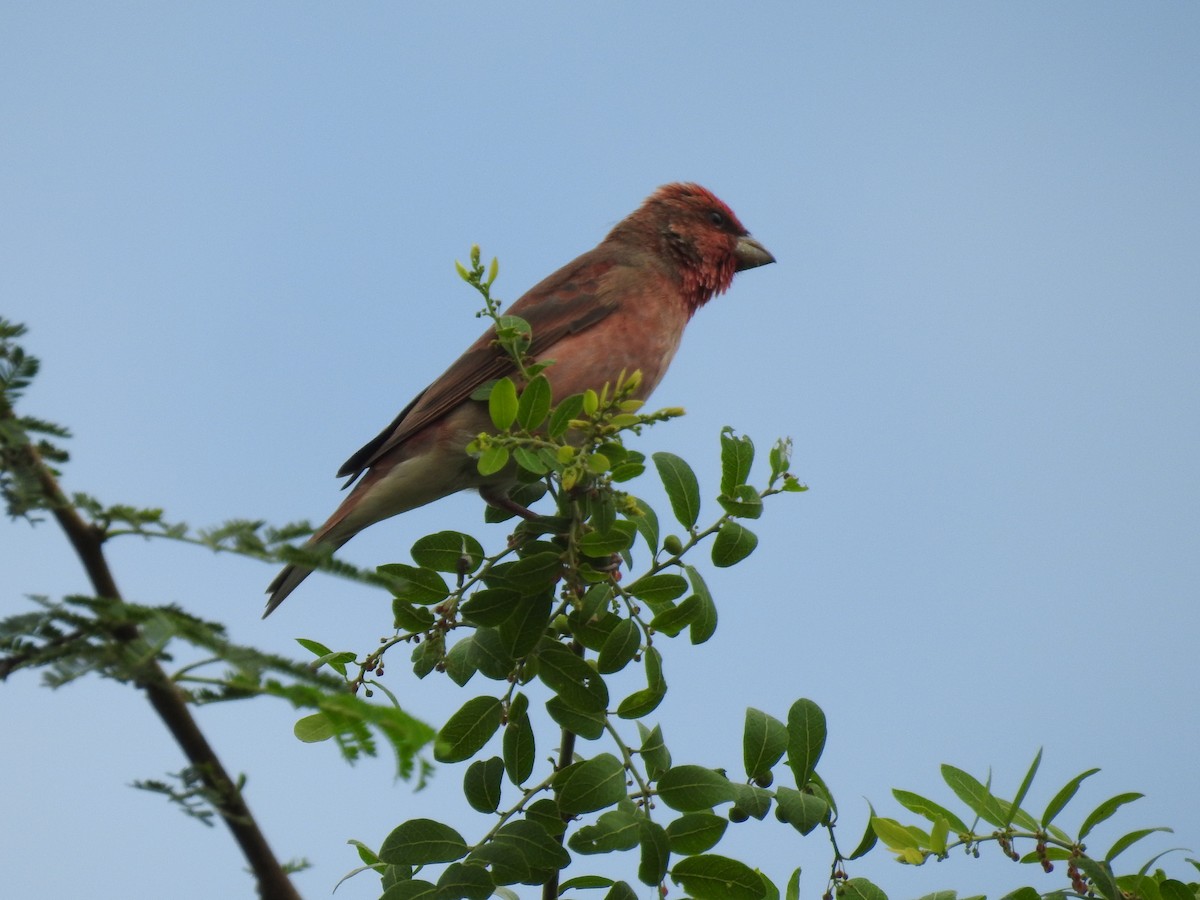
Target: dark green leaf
x=691 y=788
x=711 y=877
x=414 y=619
x=1063 y=797
x=519 y=748
x=705 y=623
x=793 y=885
x=568 y=409
x=592 y=784
x=414 y=585
x=521 y=631
x=696 y=832
x=618 y=538
x=733 y=543
x=764 y=741
x=1104 y=811
x=860 y=889
x=578 y=684
x=490 y=606
x=448 y=551
x=419 y=842
x=621 y=891
x=1124 y=842
x=620 y=647
x=614 y=830
x=1100 y=875
x=656 y=852
x=1024 y=789
x=682 y=488
x=1171 y=889
x=534 y=405
x=410 y=890
x=545 y=812
x=460 y=882
x=654 y=751
x=588 y=726
x=867 y=844
x=657 y=591
x=489 y=654
x=1021 y=893
x=481 y=784
x=737 y=456
x=973 y=793
x=593 y=632
x=806 y=739
x=647 y=523
x=674 y=619
x=804 y=812
x=533 y=573
x=753 y=801
x=468 y=730
x=645 y=701
x=521 y=851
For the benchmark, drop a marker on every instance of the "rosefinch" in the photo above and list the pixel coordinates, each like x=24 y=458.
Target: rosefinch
x=620 y=306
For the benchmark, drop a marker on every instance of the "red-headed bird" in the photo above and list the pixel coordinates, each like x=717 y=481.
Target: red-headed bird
x=620 y=306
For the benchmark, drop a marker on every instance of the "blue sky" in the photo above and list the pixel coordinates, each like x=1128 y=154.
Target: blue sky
x=231 y=230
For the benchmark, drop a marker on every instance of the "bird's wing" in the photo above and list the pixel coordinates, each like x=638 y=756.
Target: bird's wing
x=568 y=302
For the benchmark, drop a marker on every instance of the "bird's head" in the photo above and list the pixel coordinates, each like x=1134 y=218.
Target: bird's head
x=699 y=237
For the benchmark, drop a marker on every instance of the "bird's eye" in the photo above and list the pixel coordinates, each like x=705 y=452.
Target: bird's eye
x=717 y=219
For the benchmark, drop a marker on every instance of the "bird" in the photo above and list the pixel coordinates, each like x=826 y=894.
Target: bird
x=622 y=305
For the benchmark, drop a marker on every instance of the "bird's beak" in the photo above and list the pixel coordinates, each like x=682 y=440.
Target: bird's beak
x=750 y=253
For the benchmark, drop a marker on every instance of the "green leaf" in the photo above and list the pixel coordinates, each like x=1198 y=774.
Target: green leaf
x=802 y=811
x=1063 y=797
x=419 y=842
x=1126 y=841
x=682 y=488
x=616 y=539
x=588 y=725
x=752 y=800
x=972 y=792
x=744 y=504
x=465 y=883
x=656 y=591
x=410 y=890
x=413 y=585
x=696 y=832
x=448 y=551
x=1021 y=893
x=737 y=456
x=938 y=836
x=1100 y=875
x=521 y=851
x=793 y=885
x=502 y=404
x=1104 y=811
x=733 y=543
x=1024 y=789
x=492 y=460
x=587 y=881
x=614 y=830
x=560 y=419
x=468 y=730
x=489 y=607
x=535 y=572
x=620 y=647
x=930 y=810
x=894 y=835
x=481 y=784
x=621 y=891
x=530 y=460
x=1171 y=889
x=647 y=523
x=806 y=739
x=654 y=751
x=764 y=741
x=314 y=729
x=519 y=747
x=656 y=852
x=578 y=684
x=643 y=702
x=711 y=877
x=590 y=785
x=692 y=788
x=704 y=625
x=674 y=619
x=869 y=838
x=547 y=814
x=522 y=630
x=407 y=617
x=534 y=405
x=860 y=889
x=489 y=654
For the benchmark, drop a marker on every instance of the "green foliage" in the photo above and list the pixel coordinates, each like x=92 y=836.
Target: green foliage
x=544 y=623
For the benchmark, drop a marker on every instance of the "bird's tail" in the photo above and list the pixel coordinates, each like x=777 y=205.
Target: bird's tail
x=291 y=576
